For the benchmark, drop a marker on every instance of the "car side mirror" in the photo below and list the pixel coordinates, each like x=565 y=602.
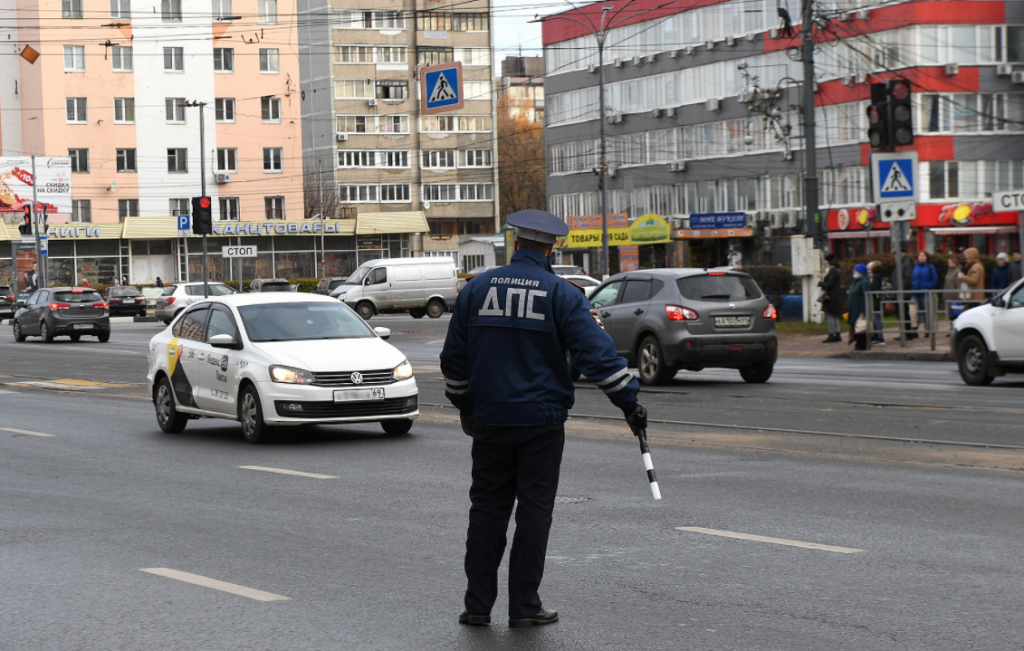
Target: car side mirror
x=223 y=341
x=383 y=333
x=20 y=303
x=997 y=301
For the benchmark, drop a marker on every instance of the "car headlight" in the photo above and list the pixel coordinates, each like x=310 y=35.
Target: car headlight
x=403 y=371
x=290 y=375
x=341 y=296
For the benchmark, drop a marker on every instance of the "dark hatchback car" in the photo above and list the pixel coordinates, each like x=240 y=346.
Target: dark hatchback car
x=271 y=285
x=8 y=301
x=328 y=285
x=63 y=312
x=126 y=300
x=666 y=320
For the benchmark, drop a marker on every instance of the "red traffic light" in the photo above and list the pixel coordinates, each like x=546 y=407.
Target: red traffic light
x=204 y=202
x=900 y=90
x=873 y=115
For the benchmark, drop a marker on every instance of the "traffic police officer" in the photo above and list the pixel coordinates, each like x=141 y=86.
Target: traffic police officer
x=504 y=364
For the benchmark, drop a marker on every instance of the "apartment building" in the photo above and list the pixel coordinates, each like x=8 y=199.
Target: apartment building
x=361 y=119
x=522 y=83
x=703 y=117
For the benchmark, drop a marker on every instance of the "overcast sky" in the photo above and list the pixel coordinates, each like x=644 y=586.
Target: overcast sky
x=511 y=28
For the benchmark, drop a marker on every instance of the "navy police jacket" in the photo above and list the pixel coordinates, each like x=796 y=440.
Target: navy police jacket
x=504 y=358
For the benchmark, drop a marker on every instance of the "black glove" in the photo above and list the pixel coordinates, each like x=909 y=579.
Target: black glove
x=467 y=422
x=636 y=416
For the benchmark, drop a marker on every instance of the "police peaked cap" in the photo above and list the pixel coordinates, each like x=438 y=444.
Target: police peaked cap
x=538 y=225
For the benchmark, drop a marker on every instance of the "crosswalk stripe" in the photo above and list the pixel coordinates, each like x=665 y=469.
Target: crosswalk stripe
x=214 y=584
x=767 y=539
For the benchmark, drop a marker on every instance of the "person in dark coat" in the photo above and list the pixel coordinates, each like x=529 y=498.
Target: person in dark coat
x=831 y=298
x=159 y=283
x=858 y=306
x=925 y=277
x=1001 y=274
x=1015 y=268
x=907 y=268
x=875 y=282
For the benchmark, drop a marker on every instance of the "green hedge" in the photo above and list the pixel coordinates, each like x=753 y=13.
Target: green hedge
x=772 y=279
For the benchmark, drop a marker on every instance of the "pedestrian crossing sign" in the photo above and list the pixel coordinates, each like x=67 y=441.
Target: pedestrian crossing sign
x=441 y=88
x=893 y=176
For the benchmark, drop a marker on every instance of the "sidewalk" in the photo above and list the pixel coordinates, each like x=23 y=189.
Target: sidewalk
x=805 y=345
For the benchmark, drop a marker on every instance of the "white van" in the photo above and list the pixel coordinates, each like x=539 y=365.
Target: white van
x=415 y=285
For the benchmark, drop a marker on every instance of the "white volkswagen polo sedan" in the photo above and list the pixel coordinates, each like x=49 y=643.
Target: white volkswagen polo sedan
x=270 y=360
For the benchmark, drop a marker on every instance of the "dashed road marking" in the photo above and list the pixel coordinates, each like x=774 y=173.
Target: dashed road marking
x=26 y=432
x=776 y=541
x=282 y=471
x=214 y=584
x=5 y=391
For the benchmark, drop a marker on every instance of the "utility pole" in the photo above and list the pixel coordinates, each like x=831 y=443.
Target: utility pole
x=36 y=222
x=202 y=189
x=812 y=226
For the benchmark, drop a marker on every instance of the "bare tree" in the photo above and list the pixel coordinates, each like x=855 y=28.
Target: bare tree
x=320 y=195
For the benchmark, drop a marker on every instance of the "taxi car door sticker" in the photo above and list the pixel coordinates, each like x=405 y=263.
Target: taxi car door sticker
x=179 y=381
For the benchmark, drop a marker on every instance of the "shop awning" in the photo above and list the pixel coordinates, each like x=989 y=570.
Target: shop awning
x=854 y=235
x=974 y=230
x=375 y=223
x=9 y=232
x=150 y=228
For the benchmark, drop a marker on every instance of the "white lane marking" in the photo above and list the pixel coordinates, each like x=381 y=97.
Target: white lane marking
x=439 y=341
x=5 y=391
x=206 y=582
x=776 y=541
x=26 y=432
x=282 y=471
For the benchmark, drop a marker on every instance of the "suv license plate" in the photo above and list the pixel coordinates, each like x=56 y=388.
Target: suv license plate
x=82 y=326
x=358 y=395
x=732 y=321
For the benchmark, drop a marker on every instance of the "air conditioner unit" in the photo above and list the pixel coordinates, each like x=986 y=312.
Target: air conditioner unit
x=650 y=58
x=673 y=54
x=773 y=32
x=223 y=178
x=669 y=112
x=678 y=166
x=615 y=118
x=1004 y=69
x=637 y=61
x=952 y=69
x=371 y=102
x=709 y=45
x=617 y=63
x=341 y=137
x=863 y=14
x=817 y=87
x=776 y=220
x=792 y=217
x=751 y=37
x=592 y=68
x=713 y=104
x=787 y=155
x=1017 y=77
x=611 y=172
x=690 y=50
x=862 y=78
x=746 y=97
x=730 y=41
x=656 y=113
x=848 y=80
x=846 y=16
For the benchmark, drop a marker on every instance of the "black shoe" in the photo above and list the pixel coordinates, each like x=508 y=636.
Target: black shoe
x=829 y=340
x=474 y=620
x=543 y=617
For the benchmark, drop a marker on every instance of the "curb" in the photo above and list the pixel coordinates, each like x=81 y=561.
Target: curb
x=890 y=355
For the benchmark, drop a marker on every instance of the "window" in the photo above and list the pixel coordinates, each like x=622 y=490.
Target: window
x=428 y=56
x=177 y=160
x=353 y=54
x=170 y=11
x=77 y=111
x=127 y=208
x=439 y=192
x=476 y=56
x=79 y=160
x=224 y=109
x=226 y=160
x=272 y=159
x=477 y=89
x=271 y=109
x=266 y=11
x=392 y=55
x=174 y=109
x=350 y=158
x=223 y=59
x=397 y=158
x=81 y=211
x=71 y=8
x=192 y=324
x=121 y=9
x=434 y=21
x=179 y=207
x=270 y=60
x=274 y=207
x=352 y=89
x=474 y=123
x=74 y=58
x=394 y=192
x=434 y=123
x=393 y=124
x=126 y=160
x=387 y=20
x=174 y=59
x=124 y=110
x=352 y=123
x=438 y=159
x=350 y=19
x=469 y=22
x=392 y=89
x=366 y=193
x=476 y=192
x=122 y=58
x=606 y=295
x=475 y=158
x=222 y=9
x=229 y=209
x=221 y=323
x=468 y=123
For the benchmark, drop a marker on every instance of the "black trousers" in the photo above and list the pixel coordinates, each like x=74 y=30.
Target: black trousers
x=511 y=463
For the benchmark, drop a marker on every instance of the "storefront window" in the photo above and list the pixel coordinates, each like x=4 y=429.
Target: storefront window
x=217 y=269
x=294 y=265
x=339 y=243
x=6 y=272
x=61 y=271
x=339 y=264
x=300 y=243
x=365 y=256
x=258 y=267
x=97 y=271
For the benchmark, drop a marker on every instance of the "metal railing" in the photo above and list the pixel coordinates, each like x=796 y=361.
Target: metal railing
x=936 y=302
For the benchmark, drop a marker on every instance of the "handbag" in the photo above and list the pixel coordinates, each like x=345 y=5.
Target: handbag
x=861 y=326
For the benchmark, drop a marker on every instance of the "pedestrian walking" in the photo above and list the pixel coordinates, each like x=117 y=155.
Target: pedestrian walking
x=875 y=282
x=952 y=286
x=925 y=277
x=1001 y=274
x=974 y=278
x=1016 y=273
x=831 y=298
x=85 y=283
x=905 y=267
x=858 y=307
x=504 y=368
x=159 y=283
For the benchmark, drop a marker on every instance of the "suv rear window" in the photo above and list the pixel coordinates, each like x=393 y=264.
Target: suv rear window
x=77 y=297
x=276 y=287
x=726 y=287
x=216 y=289
x=123 y=291
x=168 y=290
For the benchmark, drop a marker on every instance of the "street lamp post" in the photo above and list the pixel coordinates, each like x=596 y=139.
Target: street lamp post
x=202 y=189
x=600 y=33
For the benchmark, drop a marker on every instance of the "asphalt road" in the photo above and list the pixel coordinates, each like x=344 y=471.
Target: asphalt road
x=920 y=553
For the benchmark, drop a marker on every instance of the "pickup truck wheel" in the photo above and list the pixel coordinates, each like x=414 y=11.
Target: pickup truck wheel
x=972 y=361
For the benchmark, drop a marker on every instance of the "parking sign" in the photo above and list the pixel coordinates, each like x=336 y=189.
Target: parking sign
x=441 y=88
x=184 y=225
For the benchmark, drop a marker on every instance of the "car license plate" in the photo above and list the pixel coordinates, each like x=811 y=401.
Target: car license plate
x=358 y=395
x=732 y=321
x=82 y=326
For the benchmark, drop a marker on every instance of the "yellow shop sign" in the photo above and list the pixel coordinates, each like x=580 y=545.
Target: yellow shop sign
x=647 y=229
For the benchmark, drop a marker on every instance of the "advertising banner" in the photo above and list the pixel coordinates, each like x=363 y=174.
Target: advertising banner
x=646 y=229
x=53 y=185
x=26 y=268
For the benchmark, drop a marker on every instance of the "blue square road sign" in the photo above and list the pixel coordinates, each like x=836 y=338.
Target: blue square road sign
x=441 y=88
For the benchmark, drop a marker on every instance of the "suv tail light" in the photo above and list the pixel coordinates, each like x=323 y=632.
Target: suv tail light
x=770 y=313
x=100 y=304
x=170 y=301
x=676 y=313
x=56 y=306
x=10 y=298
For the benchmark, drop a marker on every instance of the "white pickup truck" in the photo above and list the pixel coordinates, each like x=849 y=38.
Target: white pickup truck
x=988 y=340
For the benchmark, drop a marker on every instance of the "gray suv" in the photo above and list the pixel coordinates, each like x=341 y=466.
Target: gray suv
x=664 y=320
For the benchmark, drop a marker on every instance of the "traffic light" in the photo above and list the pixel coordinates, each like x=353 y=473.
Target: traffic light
x=890 y=116
x=25 y=228
x=878 y=118
x=202 y=216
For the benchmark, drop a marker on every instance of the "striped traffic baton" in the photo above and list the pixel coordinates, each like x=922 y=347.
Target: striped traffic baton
x=645 y=451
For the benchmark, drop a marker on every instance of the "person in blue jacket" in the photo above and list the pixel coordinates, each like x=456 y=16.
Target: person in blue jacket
x=925 y=277
x=504 y=366
x=1001 y=272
